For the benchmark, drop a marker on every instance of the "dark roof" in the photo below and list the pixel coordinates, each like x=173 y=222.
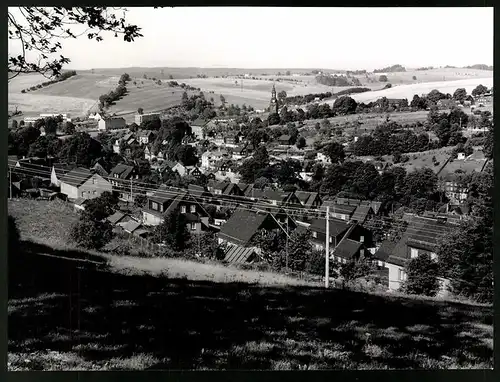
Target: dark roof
x=269 y=194
x=230 y=187
x=244 y=186
x=242 y=226
x=116 y=217
x=306 y=197
x=347 y=248
x=385 y=250
x=62 y=168
x=164 y=194
x=175 y=202
x=218 y=185
x=122 y=170
x=196 y=190
x=423 y=233
x=376 y=206
x=361 y=213
x=131 y=225
x=339 y=208
x=337 y=226
x=238 y=254
x=76 y=177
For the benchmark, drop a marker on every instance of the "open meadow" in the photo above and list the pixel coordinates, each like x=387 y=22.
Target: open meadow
x=79 y=94
x=408 y=91
x=156 y=320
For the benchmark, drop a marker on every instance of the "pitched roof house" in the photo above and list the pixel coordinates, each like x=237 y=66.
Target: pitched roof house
x=310 y=200
x=81 y=183
x=243 y=225
x=422 y=235
x=58 y=171
x=167 y=199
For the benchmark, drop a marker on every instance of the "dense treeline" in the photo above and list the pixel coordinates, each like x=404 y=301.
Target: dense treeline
x=62 y=77
x=391 y=69
x=108 y=99
x=335 y=80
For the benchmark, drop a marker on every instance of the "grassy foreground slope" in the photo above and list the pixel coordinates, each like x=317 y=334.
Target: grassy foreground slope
x=66 y=314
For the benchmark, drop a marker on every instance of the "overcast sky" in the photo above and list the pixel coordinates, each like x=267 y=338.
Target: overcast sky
x=333 y=38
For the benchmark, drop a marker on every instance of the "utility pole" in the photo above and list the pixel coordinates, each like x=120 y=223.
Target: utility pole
x=10 y=182
x=131 y=190
x=287 y=243
x=327 y=246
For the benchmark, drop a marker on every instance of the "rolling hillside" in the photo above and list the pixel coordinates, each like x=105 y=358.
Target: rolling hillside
x=80 y=93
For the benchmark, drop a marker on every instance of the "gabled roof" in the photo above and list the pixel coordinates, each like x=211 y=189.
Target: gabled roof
x=196 y=190
x=175 y=202
x=238 y=255
x=422 y=233
x=339 y=208
x=242 y=226
x=145 y=133
x=230 y=188
x=164 y=194
x=337 y=226
x=122 y=170
x=347 y=248
x=131 y=226
x=279 y=196
x=116 y=217
x=62 y=168
x=307 y=198
x=361 y=213
x=216 y=185
x=76 y=177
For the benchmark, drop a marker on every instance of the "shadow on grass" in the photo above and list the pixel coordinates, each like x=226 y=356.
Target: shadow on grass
x=69 y=306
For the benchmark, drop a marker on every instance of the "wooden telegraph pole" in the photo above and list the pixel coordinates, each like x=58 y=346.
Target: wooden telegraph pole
x=327 y=246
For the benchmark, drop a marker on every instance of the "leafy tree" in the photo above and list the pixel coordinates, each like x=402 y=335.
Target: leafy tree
x=301 y=143
x=299 y=250
x=81 y=149
x=460 y=94
x=69 y=128
x=207 y=245
x=435 y=95
x=38 y=30
x=44 y=146
x=140 y=200
x=14 y=124
x=414 y=78
x=422 y=276
x=273 y=119
x=102 y=207
x=14 y=237
x=334 y=151
x=420 y=183
x=90 y=233
x=479 y=90
x=141 y=110
x=419 y=103
x=222 y=99
x=173 y=231
x=261 y=183
x=466 y=258
x=186 y=155
x=281 y=97
x=345 y=105
x=383 y=78
x=355 y=269
x=287 y=171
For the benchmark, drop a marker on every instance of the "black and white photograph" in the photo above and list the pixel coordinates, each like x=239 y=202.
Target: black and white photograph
x=250 y=188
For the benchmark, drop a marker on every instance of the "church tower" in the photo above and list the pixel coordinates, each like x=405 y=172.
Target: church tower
x=273 y=106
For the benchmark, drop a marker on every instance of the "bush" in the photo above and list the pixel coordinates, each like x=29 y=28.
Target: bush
x=23 y=91
x=383 y=78
x=91 y=234
x=422 y=276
